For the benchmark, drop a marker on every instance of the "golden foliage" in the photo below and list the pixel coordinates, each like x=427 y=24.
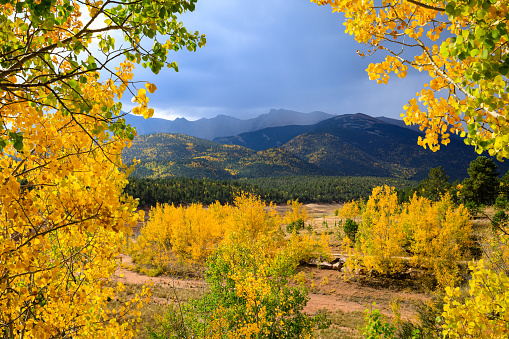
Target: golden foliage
x=434 y=235
x=460 y=44
x=483 y=313
x=381 y=236
x=62 y=208
x=350 y=210
x=193 y=233
x=248 y=272
x=62 y=216
x=249 y=288
x=296 y=213
x=439 y=234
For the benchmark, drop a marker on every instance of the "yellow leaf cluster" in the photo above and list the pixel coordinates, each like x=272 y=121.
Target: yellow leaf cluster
x=61 y=220
x=263 y=304
x=297 y=212
x=434 y=235
x=142 y=100
x=484 y=312
x=190 y=232
x=461 y=45
x=439 y=233
x=350 y=210
x=194 y=232
x=381 y=236
x=62 y=214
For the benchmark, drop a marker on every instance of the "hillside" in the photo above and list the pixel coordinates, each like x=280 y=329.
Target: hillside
x=173 y=155
x=330 y=152
x=265 y=138
x=352 y=145
x=357 y=144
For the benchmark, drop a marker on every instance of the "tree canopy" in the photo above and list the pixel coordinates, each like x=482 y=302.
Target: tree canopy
x=62 y=210
x=52 y=48
x=435 y=185
x=463 y=47
x=482 y=185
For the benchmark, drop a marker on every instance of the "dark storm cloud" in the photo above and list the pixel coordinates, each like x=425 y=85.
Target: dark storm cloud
x=272 y=54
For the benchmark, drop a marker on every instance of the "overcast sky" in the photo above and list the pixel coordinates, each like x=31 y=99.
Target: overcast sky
x=267 y=54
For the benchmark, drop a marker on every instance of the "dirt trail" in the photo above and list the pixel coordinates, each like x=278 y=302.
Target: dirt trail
x=332 y=292
x=335 y=294
x=131 y=277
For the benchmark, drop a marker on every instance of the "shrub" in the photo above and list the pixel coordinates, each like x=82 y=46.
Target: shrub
x=350 y=210
x=295 y=226
x=436 y=235
x=249 y=297
x=350 y=229
x=429 y=323
x=375 y=326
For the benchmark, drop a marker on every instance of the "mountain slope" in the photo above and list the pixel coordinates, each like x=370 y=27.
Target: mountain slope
x=330 y=152
x=223 y=125
x=277 y=136
x=357 y=144
x=265 y=138
x=173 y=147
x=172 y=155
x=353 y=145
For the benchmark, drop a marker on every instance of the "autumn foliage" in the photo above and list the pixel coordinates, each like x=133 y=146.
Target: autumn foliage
x=380 y=237
x=191 y=234
x=61 y=222
x=483 y=313
x=62 y=207
x=250 y=262
x=433 y=235
x=459 y=44
x=250 y=295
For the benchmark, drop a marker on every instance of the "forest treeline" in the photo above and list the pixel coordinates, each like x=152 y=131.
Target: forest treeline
x=482 y=187
x=306 y=189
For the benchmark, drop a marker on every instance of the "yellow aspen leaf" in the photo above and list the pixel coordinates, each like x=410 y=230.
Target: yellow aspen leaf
x=151 y=88
x=141 y=94
x=59 y=241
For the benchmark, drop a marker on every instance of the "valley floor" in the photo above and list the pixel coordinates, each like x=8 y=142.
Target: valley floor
x=329 y=290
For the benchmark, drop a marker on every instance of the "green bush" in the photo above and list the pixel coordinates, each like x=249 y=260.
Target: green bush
x=375 y=326
x=295 y=226
x=350 y=228
x=248 y=297
x=428 y=324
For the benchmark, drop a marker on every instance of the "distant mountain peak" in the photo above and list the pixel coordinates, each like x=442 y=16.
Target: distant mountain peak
x=400 y=123
x=223 y=125
x=357 y=115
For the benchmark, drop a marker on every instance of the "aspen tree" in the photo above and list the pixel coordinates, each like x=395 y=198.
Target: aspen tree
x=462 y=45
x=62 y=212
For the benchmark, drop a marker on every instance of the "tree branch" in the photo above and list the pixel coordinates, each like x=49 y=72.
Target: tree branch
x=420 y=4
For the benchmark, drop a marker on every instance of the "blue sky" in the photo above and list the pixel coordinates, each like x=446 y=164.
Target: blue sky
x=267 y=54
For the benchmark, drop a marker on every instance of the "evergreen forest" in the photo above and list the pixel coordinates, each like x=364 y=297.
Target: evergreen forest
x=306 y=189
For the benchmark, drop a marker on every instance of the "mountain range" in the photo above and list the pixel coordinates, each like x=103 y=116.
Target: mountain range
x=350 y=144
x=223 y=125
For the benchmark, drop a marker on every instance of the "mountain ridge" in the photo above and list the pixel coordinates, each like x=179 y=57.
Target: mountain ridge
x=224 y=125
x=351 y=144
